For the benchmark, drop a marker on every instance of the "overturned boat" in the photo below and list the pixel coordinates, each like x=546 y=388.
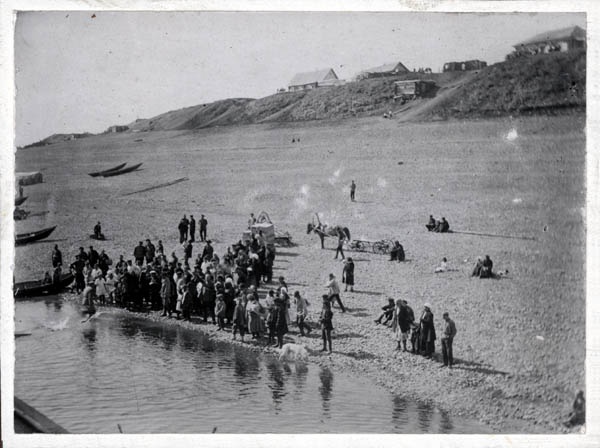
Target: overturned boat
x=102 y=173
x=122 y=171
x=24 y=238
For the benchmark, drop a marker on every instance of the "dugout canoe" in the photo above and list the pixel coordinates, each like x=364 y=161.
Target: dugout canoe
x=37 y=288
x=20 y=200
x=24 y=238
x=123 y=171
x=102 y=173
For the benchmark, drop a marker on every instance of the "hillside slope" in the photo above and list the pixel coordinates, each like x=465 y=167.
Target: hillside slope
x=542 y=83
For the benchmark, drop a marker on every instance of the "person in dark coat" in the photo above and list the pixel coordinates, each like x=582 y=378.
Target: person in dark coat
x=431 y=224
x=203 y=225
x=208 y=299
x=77 y=268
x=183 y=229
x=187 y=252
x=56 y=256
x=166 y=293
x=139 y=253
x=486 y=268
x=326 y=321
x=98 y=231
x=352 y=191
x=577 y=415
x=82 y=255
x=348 y=274
x=92 y=256
x=280 y=317
x=340 y=246
x=397 y=252
x=442 y=226
x=192 y=229
x=427 y=336
x=150 y=252
x=208 y=251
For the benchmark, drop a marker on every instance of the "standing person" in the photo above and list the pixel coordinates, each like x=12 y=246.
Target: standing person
x=182 y=227
x=447 y=338
x=254 y=312
x=186 y=302
x=161 y=248
x=401 y=323
x=220 y=311
x=208 y=251
x=340 y=246
x=166 y=293
x=93 y=256
x=352 y=191
x=281 y=327
x=251 y=221
x=98 y=231
x=239 y=319
x=187 y=252
x=192 y=229
x=203 y=224
x=139 y=253
x=186 y=222
x=301 y=313
x=326 y=321
x=77 y=268
x=150 y=251
x=427 y=334
x=56 y=256
x=348 y=274
x=334 y=292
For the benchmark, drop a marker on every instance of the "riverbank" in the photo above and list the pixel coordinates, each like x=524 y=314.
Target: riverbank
x=520 y=347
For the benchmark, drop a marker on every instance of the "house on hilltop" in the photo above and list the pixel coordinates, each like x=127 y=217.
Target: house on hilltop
x=312 y=80
x=564 y=39
x=392 y=69
x=464 y=66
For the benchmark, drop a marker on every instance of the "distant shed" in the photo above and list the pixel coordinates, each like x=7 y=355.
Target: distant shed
x=411 y=89
x=392 y=69
x=564 y=39
x=312 y=80
x=31 y=178
x=464 y=66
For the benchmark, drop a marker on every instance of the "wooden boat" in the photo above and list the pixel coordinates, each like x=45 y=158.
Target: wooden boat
x=24 y=238
x=102 y=173
x=123 y=171
x=20 y=200
x=39 y=288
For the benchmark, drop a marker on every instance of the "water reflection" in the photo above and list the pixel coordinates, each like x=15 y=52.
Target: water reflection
x=446 y=425
x=425 y=416
x=326 y=377
x=277 y=383
x=89 y=336
x=399 y=415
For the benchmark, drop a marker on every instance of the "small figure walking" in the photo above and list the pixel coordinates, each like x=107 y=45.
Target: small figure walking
x=326 y=323
x=352 y=191
x=340 y=246
x=348 y=274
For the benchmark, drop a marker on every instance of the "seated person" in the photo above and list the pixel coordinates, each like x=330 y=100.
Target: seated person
x=486 y=268
x=431 y=224
x=98 y=232
x=388 y=312
x=577 y=416
x=442 y=226
x=443 y=267
x=397 y=252
x=477 y=268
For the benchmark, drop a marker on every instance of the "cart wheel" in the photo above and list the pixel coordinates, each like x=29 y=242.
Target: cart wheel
x=378 y=248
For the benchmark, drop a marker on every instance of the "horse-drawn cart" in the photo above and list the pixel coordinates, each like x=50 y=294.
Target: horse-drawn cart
x=377 y=247
x=272 y=237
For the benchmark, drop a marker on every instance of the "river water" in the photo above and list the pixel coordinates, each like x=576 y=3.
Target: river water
x=151 y=378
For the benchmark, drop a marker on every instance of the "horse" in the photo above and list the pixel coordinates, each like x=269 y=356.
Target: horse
x=323 y=230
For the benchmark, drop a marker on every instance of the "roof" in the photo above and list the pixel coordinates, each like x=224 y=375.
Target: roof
x=302 y=79
x=387 y=68
x=563 y=33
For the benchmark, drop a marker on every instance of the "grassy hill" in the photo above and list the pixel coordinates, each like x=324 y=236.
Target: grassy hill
x=546 y=83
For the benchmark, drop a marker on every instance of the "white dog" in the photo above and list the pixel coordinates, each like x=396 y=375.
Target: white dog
x=293 y=352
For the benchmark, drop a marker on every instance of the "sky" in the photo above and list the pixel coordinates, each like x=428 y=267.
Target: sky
x=78 y=73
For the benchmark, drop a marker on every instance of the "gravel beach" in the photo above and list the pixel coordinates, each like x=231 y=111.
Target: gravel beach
x=520 y=347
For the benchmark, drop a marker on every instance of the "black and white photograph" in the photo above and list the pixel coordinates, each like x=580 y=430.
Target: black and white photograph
x=262 y=222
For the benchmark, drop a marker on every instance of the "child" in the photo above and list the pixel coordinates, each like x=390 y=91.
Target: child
x=239 y=319
x=220 y=312
x=271 y=323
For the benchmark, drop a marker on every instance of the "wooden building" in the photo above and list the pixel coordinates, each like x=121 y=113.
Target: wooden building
x=411 y=89
x=564 y=39
x=464 y=66
x=395 y=68
x=312 y=80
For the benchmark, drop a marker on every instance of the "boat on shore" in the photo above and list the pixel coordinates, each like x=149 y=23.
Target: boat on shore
x=19 y=200
x=122 y=171
x=39 y=288
x=24 y=238
x=102 y=173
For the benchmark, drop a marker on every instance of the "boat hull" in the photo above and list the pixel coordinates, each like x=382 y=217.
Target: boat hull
x=101 y=173
x=123 y=171
x=38 y=288
x=24 y=238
